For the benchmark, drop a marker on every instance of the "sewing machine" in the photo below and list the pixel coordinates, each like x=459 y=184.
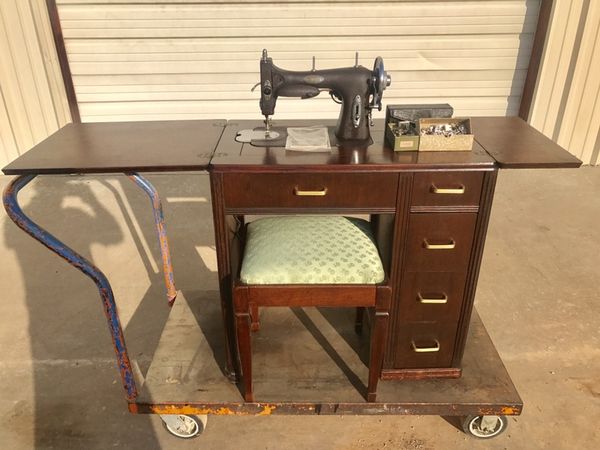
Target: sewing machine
x=357 y=89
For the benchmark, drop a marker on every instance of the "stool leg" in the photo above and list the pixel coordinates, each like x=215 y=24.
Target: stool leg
x=379 y=330
x=245 y=350
x=242 y=334
x=255 y=325
x=378 y=336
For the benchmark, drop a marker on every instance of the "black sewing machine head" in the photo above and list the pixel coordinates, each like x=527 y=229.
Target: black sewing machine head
x=358 y=89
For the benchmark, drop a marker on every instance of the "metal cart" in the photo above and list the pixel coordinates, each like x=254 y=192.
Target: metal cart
x=185 y=383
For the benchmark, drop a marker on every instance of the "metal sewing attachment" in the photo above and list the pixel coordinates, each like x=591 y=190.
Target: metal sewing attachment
x=447 y=130
x=248 y=135
x=405 y=128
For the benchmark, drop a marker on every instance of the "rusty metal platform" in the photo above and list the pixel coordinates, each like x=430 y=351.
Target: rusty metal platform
x=307 y=361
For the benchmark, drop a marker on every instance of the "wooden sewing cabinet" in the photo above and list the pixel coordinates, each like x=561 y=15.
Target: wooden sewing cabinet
x=429 y=210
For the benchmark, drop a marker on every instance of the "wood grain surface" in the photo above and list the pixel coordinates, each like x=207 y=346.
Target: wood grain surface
x=516 y=145
x=351 y=156
x=190 y=145
x=122 y=147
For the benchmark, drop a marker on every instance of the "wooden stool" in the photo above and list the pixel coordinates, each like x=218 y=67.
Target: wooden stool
x=311 y=261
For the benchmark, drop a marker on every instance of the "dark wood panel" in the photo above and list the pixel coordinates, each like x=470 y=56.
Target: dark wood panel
x=432 y=296
x=421 y=374
x=442 y=209
x=487 y=197
x=415 y=336
x=405 y=184
x=189 y=145
x=382 y=226
x=223 y=244
x=122 y=147
x=439 y=229
x=447 y=188
x=515 y=144
x=232 y=155
x=290 y=295
x=339 y=190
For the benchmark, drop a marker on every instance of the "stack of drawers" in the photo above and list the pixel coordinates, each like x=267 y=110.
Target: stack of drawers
x=438 y=248
x=433 y=248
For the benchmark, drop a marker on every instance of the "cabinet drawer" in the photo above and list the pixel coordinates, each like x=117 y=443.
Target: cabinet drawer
x=425 y=345
x=313 y=190
x=447 y=188
x=439 y=242
x=432 y=296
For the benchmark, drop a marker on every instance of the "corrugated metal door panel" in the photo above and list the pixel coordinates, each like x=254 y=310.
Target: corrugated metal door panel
x=582 y=90
x=45 y=39
x=26 y=108
x=585 y=139
x=32 y=100
x=7 y=137
x=566 y=106
x=137 y=61
x=560 y=40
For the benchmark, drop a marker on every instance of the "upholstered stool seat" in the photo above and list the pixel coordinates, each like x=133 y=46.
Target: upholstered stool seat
x=311 y=250
x=325 y=261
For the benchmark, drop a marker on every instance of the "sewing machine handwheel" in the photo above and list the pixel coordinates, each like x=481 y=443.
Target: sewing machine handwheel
x=381 y=80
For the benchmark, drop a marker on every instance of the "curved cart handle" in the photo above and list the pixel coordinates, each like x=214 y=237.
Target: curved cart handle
x=16 y=214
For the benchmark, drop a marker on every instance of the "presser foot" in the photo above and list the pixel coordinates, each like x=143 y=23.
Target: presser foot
x=247 y=136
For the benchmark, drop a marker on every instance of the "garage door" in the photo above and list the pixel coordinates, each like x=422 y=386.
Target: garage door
x=138 y=60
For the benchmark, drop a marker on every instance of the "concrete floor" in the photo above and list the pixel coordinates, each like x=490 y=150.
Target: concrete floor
x=538 y=296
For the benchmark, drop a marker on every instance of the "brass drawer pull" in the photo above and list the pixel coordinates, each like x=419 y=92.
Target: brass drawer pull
x=433 y=301
x=435 y=348
x=449 y=246
x=301 y=193
x=459 y=190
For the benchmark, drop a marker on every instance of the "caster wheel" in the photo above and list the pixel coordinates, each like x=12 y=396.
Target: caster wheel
x=484 y=427
x=183 y=426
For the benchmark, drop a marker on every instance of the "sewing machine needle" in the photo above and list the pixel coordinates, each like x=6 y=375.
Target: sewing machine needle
x=267 y=127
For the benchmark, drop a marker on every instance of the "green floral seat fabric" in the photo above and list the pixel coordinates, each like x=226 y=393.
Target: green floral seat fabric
x=311 y=250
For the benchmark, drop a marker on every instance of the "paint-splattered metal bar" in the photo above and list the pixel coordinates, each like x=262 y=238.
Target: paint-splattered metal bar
x=16 y=214
x=161 y=231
